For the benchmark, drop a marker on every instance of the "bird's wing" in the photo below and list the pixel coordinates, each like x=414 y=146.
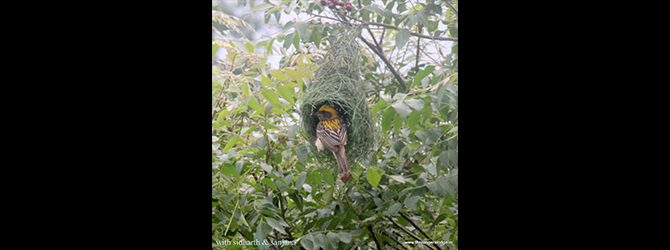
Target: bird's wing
x=343 y=133
x=331 y=139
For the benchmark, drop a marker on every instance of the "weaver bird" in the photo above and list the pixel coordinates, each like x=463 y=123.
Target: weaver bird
x=331 y=133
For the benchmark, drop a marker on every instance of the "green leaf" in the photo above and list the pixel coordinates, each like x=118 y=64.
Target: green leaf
x=314 y=180
x=268 y=125
x=315 y=37
x=302 y=29
x=393 y=209
x=444 y=159
x=423 y=18
x=327 y=176
x=413 y=119
x=416 y=104
x=410 y=202
x=439 y=219
x=238 y=215
x=423 y=136
x=266 y=17
x=453 y=32
x=453 y=157
x=260 y=233
x=233 y=89
x=270 y=183
x=215 y=47
x=328 y=195
x=295 y=196
x=245 y=89
x=305 y=3
x=397 y=123
x=266 y=167
x=266 y=81
x=387 y=117
x=229 y=170
x=268 y=47
x=373 y=177
x=434 y=133
x=423 y=73
x=238 y=167
x=308 y=243
x=320 y=240
x=286 y=93
x=288 y=39
x=344 y=237
x=296 y=41
x=278 y=15
x=260 y=7
x=401 y=38
x=232 y=142
x=291 y=131
x=415 y=8
x=379 y=106
x=300 y=181
x=250 y=47
x=388 y=193
x=222 y=114
x=399 y=96
x=273 y=10
x=228 y=198
x=279 y=75
x=253 y=103
x=333 y=237
x=398 y=178
x=271 y=96
x=402 y=109
x=301 y=152
x=275 y=224
x=436 y=189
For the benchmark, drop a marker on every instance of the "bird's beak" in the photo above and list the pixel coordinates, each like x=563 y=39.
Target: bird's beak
x=315 y=113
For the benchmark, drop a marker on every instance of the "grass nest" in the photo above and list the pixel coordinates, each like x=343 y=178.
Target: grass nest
x=337 y=83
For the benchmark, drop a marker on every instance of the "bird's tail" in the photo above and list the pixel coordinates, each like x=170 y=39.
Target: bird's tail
x=342 y=163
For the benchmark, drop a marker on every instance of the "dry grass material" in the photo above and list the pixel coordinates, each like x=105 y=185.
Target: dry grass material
x=337 y=83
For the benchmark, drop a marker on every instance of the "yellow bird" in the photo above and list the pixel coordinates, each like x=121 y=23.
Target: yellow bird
x=331 y=133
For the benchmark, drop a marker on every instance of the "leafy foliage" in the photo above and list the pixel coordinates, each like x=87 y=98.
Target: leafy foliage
x=267 y=184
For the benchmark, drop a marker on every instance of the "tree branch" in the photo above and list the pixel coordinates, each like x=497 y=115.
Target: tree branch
x=418 y=46
x=452 y=7
x=396 y=241
x=455 y=39
x=415 y=225
x=379 y=246
x=373 y=37
x=409 y=233
x=387 y=62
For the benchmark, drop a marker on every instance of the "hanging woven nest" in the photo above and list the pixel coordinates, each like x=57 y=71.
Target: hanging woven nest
x=337 y=83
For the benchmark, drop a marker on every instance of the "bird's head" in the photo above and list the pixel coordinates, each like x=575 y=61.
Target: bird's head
x=326 y=112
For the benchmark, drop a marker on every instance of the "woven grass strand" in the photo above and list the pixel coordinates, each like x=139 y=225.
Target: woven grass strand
x=337 y=82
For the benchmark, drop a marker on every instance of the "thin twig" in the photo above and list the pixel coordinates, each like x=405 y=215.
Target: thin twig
x=387 y=62
x=412 y=33
x=418 y=46
x=379 y=246
x=396 y=241
x=452 y=7
x=425 y=53
x=415 y=225
x=373 y=37
x=409 y=233
x=322 y=16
